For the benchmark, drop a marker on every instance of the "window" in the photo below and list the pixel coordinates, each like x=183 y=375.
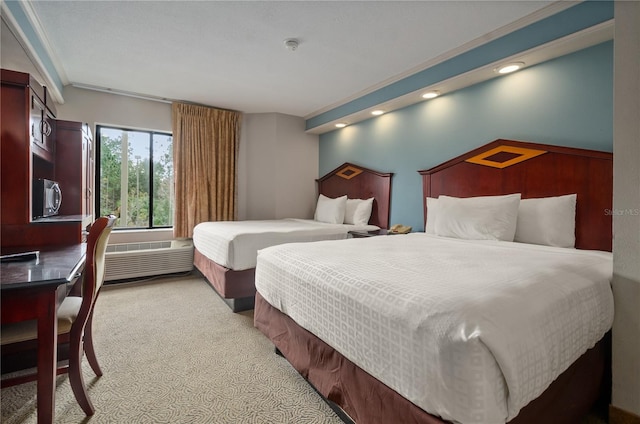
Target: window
x=134 y=179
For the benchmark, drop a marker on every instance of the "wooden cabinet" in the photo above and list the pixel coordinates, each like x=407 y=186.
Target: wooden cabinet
x=73 y=170
x=31 y=146
x=42 y=128
x=40 y=111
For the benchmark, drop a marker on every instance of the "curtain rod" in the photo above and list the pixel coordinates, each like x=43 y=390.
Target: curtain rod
x=124 y=93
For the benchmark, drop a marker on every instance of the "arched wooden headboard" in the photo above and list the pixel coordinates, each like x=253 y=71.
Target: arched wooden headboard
x=535 y=170
x=358 y=182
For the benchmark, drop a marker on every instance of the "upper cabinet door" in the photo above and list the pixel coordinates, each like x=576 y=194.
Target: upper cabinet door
x=41 y=130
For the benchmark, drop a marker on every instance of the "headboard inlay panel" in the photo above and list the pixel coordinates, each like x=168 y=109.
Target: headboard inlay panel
x=349 y=172
x=553 y=171
x=504 y=156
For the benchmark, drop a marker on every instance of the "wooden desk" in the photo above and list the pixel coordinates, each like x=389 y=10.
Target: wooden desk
x=34 y=290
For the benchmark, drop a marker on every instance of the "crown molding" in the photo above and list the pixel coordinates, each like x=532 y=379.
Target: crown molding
x=53 y=80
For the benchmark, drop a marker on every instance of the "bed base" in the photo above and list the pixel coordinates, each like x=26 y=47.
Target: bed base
x=366 y=400
x=236 y=288
x=236 y=305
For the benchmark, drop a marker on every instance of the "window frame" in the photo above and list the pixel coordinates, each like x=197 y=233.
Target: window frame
x=97 y=172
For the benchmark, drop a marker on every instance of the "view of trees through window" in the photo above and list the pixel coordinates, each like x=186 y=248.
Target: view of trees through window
x=135 y=177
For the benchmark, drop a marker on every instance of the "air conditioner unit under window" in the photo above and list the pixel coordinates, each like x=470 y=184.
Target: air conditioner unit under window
x=135 y=260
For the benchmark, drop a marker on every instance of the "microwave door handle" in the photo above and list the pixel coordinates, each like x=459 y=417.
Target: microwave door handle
x=57 y=199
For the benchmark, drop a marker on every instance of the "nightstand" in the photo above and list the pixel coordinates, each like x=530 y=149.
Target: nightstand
x=365 y=234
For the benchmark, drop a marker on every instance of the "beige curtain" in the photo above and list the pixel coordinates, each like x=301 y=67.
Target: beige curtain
x=205 y=151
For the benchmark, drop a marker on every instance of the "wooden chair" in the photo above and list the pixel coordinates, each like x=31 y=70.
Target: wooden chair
x=75 y=317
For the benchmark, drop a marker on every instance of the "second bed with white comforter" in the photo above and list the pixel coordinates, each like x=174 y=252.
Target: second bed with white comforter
x=235 y=244
x=470 y=331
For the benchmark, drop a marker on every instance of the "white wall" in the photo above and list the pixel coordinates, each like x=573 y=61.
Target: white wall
x=297 y=168
x=257 y=197
x=95 y=107
x=280 y=169
x=626 y=203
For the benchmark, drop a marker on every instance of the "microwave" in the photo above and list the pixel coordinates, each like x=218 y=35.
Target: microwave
x=47 y=198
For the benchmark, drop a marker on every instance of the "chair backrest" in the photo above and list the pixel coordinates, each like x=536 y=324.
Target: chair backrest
x=93 y=275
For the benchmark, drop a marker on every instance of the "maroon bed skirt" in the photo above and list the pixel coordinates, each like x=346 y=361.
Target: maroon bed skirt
x=366 y=400
x=236 y=288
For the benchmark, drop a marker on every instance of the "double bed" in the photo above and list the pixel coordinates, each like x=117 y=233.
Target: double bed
x=225 y=251
x=445 y=326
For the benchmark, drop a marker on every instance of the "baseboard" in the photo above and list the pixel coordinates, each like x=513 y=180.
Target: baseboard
x=620 y=416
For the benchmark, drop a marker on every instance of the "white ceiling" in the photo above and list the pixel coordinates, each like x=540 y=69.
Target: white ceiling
x=231 y=54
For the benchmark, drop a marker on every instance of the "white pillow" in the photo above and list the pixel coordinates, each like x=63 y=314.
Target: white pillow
x=432 y=212
x=330 y=210
x=478 y=218
x=358 y=211
x=550 y=221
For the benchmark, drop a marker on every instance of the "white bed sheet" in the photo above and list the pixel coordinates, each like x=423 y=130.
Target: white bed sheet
x=470 y=331
x=235 y=244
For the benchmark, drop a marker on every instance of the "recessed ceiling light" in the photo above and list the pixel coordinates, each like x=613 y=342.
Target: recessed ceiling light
x=510 y=67
x=377 y=112
x=430 y=94
x=341 y=125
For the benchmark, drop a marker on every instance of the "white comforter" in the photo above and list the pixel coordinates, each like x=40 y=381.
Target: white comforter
x=235 y=244
x=471 y=331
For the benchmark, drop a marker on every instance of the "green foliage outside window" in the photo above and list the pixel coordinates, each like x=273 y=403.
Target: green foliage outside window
x=125 y=191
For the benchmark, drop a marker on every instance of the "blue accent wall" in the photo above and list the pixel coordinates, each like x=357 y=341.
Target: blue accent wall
x=567 y=101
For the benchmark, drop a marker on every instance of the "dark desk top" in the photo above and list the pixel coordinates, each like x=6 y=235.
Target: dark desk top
x=56 y=265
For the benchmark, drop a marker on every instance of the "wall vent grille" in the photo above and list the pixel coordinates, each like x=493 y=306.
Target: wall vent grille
x=136 y=260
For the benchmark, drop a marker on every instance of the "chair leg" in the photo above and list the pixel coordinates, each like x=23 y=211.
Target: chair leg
x=88 y=346
x=75 y=374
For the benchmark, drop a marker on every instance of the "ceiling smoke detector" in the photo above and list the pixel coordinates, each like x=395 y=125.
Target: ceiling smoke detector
x=291 y=44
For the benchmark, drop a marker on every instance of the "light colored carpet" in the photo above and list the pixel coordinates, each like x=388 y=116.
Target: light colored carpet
x=173 y=352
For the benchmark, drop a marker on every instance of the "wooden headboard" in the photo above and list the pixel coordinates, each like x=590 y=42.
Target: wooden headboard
x=358 y=182
x=535 y=170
